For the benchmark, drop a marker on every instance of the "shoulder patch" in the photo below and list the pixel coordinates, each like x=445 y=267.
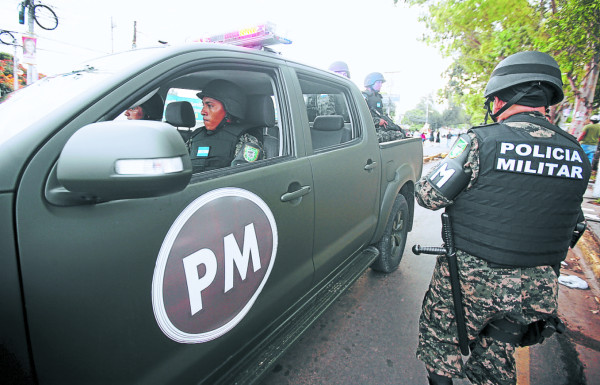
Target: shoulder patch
x=251 y=152
x=458 y=148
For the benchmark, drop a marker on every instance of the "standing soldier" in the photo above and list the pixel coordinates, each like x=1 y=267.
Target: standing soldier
x=513 y=193
x=387 y=130
x=341 y=68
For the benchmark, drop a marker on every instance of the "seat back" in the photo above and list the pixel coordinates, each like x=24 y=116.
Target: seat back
x=261 y=113
x=181 y=114
x=328 y=130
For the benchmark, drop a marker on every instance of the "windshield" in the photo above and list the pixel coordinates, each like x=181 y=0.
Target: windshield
x=34 y=102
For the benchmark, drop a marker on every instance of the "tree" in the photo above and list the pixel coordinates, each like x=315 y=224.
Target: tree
x=7 y=83
x=480 y=33
x=424 y=113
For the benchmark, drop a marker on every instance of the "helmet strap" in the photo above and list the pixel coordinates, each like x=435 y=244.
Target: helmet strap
x=508 y=104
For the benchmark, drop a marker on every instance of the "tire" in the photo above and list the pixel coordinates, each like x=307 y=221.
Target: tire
x=392 y=243
x=45 y=17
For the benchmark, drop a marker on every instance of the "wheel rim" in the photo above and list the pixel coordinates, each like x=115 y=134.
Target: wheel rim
x=397 y=233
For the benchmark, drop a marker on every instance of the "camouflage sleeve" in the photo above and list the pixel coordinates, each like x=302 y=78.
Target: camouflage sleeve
x=431 y=198
x=248 y=149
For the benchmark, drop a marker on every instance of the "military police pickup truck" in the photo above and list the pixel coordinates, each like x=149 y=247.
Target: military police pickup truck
x=120 y=265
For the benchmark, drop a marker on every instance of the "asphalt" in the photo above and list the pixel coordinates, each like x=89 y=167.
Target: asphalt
x=573 y=357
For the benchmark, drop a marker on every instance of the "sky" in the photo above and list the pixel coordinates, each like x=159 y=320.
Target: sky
x=369 y=35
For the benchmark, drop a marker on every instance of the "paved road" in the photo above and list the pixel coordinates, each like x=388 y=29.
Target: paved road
x=369 y=335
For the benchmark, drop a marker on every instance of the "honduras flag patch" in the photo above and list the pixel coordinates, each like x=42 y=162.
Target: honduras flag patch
x=203 y=152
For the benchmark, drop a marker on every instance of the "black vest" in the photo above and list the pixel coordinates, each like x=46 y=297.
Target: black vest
x=524 y=205
x=374 y=100
x=214 y=150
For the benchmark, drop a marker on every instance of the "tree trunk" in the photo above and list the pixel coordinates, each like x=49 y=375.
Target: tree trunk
x=584 y=97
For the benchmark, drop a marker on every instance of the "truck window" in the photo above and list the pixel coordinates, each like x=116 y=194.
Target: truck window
x=253 y=117
x=328 y=112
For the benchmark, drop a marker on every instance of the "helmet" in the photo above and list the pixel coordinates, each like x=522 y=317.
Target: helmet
x=525 y=68
x=595 y=118
x=228 y=93
x=372 y=78
x=339 y=66
x=153 y=108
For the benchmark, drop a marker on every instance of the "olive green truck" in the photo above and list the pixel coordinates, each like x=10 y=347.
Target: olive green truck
x=120 y=265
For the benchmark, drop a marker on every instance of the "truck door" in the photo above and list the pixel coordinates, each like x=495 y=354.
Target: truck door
x=346 y=172
x=164 y=289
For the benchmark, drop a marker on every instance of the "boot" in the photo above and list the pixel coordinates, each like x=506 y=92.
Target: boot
x=436 y=379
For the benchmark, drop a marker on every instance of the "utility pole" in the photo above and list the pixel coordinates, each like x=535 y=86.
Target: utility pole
x=31 y=68
x=112 y=36
x=134 y=45
x=15 y=67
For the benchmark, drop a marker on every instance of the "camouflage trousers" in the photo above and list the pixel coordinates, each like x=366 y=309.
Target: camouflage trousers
x=389 y=135
x=521 y=294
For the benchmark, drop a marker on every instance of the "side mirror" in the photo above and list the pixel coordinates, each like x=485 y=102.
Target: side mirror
x=119 y=160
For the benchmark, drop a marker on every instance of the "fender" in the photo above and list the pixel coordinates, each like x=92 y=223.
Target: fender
x=402 y=183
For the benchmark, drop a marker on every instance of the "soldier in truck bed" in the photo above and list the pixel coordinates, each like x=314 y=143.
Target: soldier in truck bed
x=513 y=190
x=386 y=129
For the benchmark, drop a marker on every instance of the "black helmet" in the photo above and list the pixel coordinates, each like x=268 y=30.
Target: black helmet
x=340 y=66
x=527 y=68
x=231 y=95
x=371 y=78
x=153 y=108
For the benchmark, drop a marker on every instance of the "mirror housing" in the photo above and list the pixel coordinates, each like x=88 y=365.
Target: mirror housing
x=120 y=160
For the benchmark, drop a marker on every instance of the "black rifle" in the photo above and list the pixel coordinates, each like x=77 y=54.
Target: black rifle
x=391 y=126
x=450 y=253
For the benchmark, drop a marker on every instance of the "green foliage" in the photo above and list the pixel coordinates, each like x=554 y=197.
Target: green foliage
x=478 y=34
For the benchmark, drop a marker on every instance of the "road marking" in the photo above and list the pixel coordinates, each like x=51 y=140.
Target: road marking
x=523 y=362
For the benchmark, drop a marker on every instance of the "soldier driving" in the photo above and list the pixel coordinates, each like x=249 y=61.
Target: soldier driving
x=224 y=140
x=512 y=192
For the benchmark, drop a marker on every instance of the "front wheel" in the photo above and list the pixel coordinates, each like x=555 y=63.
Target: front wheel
x=391 y=245
x=45 y=17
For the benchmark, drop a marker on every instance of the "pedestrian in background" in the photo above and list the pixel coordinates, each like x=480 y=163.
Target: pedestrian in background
x=512 y=225
x=589 y=137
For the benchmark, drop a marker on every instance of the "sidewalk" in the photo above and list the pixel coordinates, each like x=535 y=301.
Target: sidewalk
x=580 y=309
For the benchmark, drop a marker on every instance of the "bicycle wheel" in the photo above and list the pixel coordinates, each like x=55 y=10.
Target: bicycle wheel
x=7 y=38
x=45 y=17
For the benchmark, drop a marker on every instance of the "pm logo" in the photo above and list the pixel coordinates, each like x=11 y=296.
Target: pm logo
x=213 y=264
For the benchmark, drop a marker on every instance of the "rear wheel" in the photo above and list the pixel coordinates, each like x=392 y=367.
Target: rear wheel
x=391 y=245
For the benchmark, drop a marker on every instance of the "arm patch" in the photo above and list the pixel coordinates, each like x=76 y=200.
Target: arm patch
x=449 y=178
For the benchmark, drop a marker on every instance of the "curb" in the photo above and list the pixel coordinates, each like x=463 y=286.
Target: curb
x=429 y=158
x=589 y=244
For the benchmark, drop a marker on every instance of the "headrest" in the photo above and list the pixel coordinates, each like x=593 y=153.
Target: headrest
x=260 y=110
x=328 y=123
x=180 y=114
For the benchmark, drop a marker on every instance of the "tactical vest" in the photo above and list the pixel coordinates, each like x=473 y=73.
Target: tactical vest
x=524 y=205
x=209 y=151
x=374 y=100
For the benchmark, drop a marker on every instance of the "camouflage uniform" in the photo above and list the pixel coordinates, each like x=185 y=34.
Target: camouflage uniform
x=248 y=149
x=375 y=103
x=489 y=292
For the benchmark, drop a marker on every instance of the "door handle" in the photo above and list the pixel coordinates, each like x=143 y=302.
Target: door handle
x=290 y=196
x=370 y=165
